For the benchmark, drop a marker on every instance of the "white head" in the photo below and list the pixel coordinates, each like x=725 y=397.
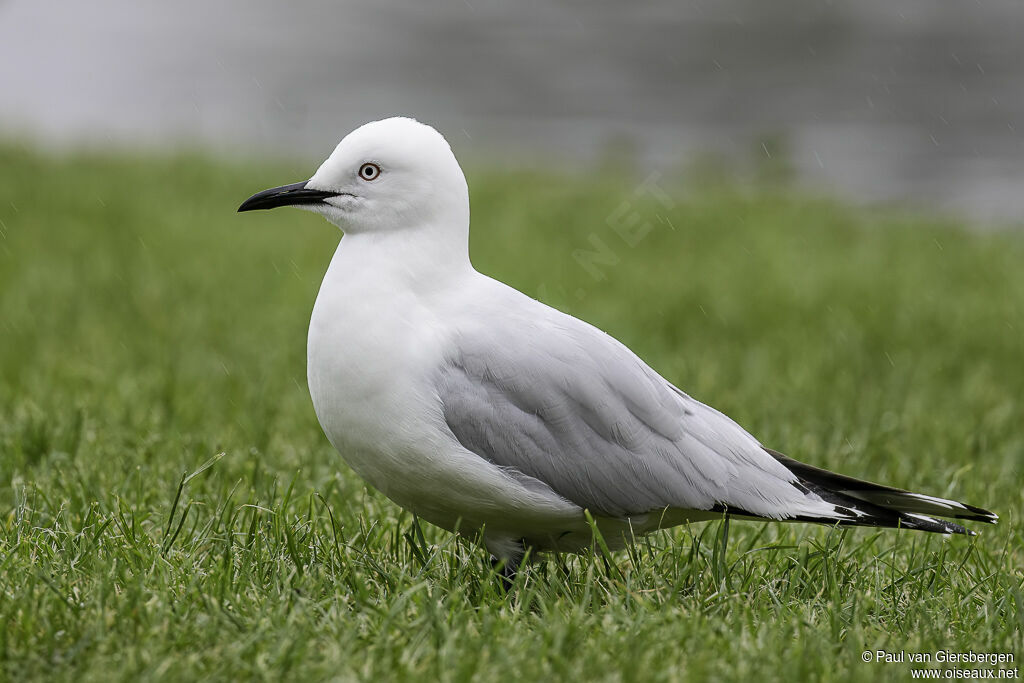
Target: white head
x=389 y=175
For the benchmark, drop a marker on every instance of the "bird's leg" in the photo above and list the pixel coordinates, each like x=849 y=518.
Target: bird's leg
x=507 y=566
x=506 y=571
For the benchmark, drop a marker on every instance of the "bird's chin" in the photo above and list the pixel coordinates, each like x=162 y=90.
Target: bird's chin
x=341 y=210
x=320 y=208
x=328 y=211
x=334 y=214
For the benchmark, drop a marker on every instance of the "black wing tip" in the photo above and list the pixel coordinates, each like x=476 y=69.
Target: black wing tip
x=970 y=513
x=980 y=514
x=870 y=516
x=847 y=489
x=932 y=525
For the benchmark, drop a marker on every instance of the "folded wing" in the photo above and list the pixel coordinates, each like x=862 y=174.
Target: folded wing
x=557 y=400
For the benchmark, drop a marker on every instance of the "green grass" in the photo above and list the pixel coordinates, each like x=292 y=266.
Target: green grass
x=145 y=328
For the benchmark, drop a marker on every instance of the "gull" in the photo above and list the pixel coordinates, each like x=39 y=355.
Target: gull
x=484 y=411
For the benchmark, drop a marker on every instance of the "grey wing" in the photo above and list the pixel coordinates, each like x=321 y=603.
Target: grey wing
x=559 y=401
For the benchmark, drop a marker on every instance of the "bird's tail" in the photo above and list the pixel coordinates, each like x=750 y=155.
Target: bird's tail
x=862 y=503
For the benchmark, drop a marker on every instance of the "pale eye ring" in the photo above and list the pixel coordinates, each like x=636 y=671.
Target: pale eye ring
x=369 y=171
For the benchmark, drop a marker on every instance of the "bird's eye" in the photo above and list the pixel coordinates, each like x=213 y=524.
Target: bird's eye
x=369 y=171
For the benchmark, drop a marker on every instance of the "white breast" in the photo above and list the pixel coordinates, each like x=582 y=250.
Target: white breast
x=369 y=347
x=373 y=351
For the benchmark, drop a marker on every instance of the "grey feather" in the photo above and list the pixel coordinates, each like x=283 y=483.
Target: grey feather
x=559 y=401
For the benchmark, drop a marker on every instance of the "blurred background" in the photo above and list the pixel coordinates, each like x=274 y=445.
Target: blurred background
x=874 y=100
x=821 y=267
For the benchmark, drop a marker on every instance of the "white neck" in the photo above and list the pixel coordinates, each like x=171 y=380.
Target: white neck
x=422 y=259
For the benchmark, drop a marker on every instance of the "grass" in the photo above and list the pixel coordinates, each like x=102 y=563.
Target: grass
x=170 y=509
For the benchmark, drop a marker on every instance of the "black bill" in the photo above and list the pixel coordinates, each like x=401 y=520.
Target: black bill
x=287 y=195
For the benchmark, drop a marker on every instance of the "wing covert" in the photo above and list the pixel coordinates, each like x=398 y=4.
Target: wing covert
x=564 y=403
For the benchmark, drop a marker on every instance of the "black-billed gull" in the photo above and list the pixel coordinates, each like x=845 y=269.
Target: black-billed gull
x=476 y=407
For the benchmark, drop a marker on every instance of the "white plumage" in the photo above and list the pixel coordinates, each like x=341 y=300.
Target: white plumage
x=475 y=406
